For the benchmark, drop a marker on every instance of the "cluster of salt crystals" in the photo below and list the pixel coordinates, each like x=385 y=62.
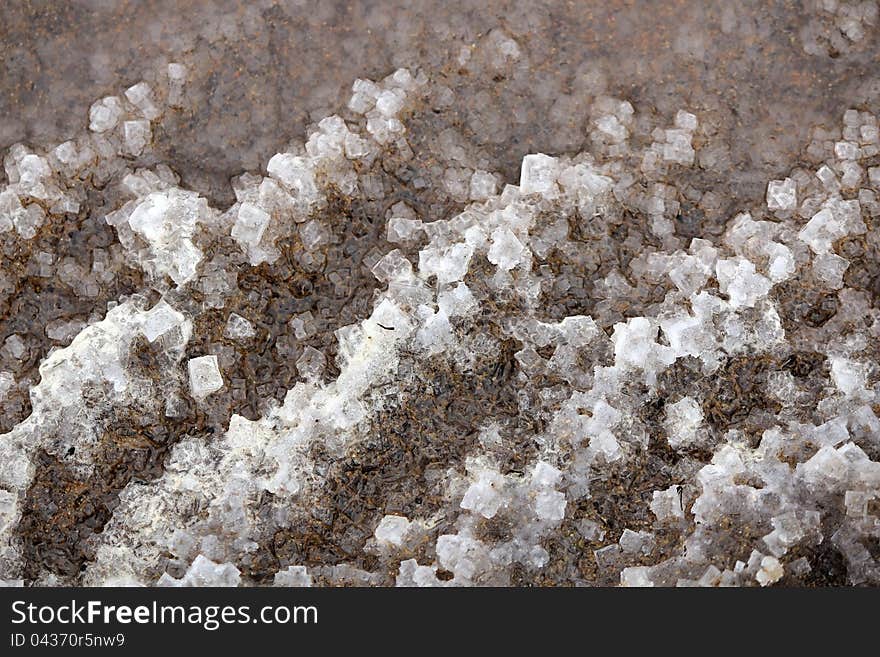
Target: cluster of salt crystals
x=836 y=26
x=62 y=422
x=673 y=145
x=50 y=183
x=595 y=423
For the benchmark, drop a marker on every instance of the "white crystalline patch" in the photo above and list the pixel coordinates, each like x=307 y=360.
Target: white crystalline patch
x=402 y=229
x=449 y=264
x=666 y=504
x=678 y=147
x=105 y=114
x=849 y=376
x=393 y=266
x=160 y=319
x=684 y=420
x=506 y=250
x=310 y=364
x=482 y=185
x=545 y=475
x=167 y=221
x=636 y=577
x=610 y=126
x=390 y=102
x=771 y=571
x=392 y=529
x=293 y=576
x=204 y=572
x=690 y=274
x=296 y=173
x=846 y=150
x=738 y=279
x=484 y=495
x=685 y=121
x=781 y=263
x=15 y=347
x=822 y=231
x=250 y=225
x=538 y=175
x=238 y=328
x=204 y=376
x=313 y=234
x=136 y=134
x=636 y=347
x=636 y=542
x=782 y=195
x=10 y=209
x=456 y=302
x=550 y=505
x=830 y=268
x=436 y=331
x=140 y=95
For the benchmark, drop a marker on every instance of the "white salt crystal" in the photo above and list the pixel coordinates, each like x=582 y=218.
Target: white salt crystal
x=137 y=134
x=822 y=231
x=250 y=225
x=483 y=496
x=550 y=505
x=830 y=268
x=738 y=279
x=448 y=264
x=771 y=571
x=204 y=376
x=104 y=114
x=506 y=250
x=140 y=95
x=482 y=185
x=311 y=364
x=392 y=530
x=782 y=195
x=538 y=175
x=666 y=504
x=293 y=576
x=160 y=319
x=684 y=420
x=238 y=328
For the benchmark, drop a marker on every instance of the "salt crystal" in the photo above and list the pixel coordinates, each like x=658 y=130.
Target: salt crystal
x=293 y=576
x=105 y=114
x=204 y=376
x=392 y=530
x=550 y=505
x=137 y=134
x=160 y=319
x=457 y=301
x=830 y=268
x=666 y=504
x=771 y=571
x=822 y=231
x=685 y=121
x=484 y=496
x=782 y=195
x=140 y=95
x=311 y=364
x=249 y=225
x=238 y=328
x=738 y=279
x=684 y=420
x=482 y=185
x=506 y=250
x=538 y=175
x=448 y=264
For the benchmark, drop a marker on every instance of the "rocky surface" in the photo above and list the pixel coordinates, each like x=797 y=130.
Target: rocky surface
x=560 y=298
